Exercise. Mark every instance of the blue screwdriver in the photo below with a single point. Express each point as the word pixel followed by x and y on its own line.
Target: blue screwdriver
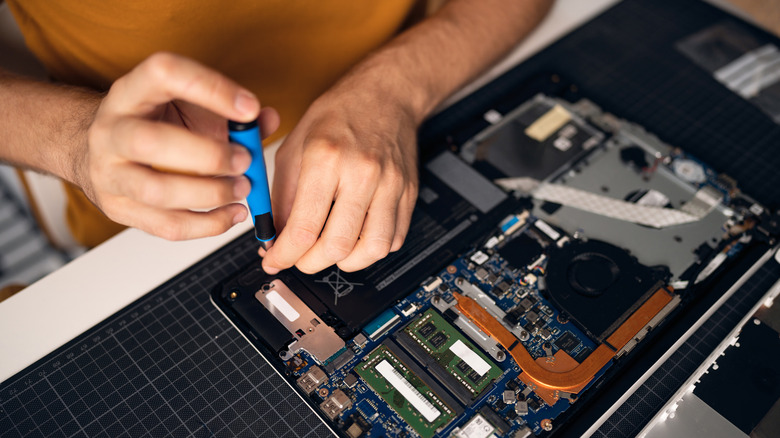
pixel 259 199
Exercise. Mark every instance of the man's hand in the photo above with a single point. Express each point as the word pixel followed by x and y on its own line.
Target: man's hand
pixel 158 148
pixel 345 180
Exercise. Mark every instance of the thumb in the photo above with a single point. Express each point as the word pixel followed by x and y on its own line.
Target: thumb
pixel 164 77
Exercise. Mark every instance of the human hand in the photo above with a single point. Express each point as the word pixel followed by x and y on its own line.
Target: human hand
pixel 158 147
pixel 345 181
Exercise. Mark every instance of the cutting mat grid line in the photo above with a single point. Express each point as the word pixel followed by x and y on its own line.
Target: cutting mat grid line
pixel 167 365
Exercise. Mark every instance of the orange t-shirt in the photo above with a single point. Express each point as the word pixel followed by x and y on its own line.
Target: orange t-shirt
pixel 286 51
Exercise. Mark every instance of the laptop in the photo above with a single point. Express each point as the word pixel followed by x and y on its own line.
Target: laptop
pixel 546 254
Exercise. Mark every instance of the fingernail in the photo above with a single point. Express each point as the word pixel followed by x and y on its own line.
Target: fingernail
pixel 241 159
pixel 270 270
pixel 246 103
pixel 240 217
pixel 241 187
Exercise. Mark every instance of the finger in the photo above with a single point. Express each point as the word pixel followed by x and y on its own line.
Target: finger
pixel 377 235
pixel 342 230
pixel 178 224
pixel 310 209
pixel 269 121
pixel 175 191
pixel 404 218
pixel 175 148
pixel 283 190
pixel 287 169
pixel 164 77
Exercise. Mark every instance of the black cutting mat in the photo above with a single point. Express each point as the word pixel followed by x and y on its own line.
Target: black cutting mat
pixel 177 368
pixel 168 365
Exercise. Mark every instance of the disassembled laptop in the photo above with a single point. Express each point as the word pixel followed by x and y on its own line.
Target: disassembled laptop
pixel 544 251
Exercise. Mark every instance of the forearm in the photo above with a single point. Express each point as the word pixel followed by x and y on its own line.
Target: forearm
pixel 44 126
pixel 430 61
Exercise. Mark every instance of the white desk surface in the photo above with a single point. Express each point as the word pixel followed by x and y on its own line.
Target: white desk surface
pixel 68 302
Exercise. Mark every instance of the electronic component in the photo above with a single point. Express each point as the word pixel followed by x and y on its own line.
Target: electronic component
pixel 409 309
pixel 453 351
pixel 426 330
pixel 360 340
pixel 438 339
pixel 357 426
pixel 337 403
pixel 350 380
pixel 492 242
pixel 508 396
pixel 432 284
pixel 472 331
pixel 598 285
pixel 521 407
pixel 310 334
pixel 512 318
pixel 545 228
pixel 436 370
pixel 567 342
pixel 502 288
pixel 339 361
pixel 404 392
pixel 312 379
pixel 367 408
pixel 521 251
pixel 354 431
pixel 513 223
pixel 495 419
pixel 382 324
pixel 479 257
pixel 477 427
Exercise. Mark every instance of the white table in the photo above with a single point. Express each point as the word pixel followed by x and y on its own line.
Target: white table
pixel 66 303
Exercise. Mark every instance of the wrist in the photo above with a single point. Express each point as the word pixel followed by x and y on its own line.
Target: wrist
pixel 47 129
pixel 382 79
pixel 74 165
